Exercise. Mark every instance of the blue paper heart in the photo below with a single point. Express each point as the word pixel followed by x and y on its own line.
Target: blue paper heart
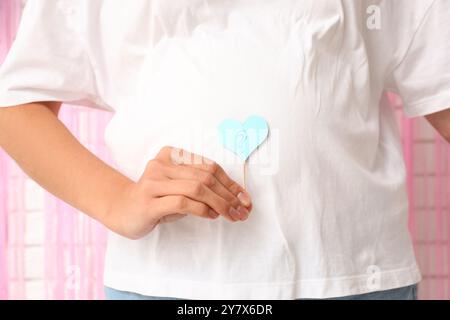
pixel 243 138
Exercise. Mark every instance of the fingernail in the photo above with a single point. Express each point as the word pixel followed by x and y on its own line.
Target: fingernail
pixel 243 213
pixel 213 214
pixel 244 198
pixel 234 214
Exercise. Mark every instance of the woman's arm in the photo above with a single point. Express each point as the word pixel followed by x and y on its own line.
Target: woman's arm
pixel 441 122
pixel 46 150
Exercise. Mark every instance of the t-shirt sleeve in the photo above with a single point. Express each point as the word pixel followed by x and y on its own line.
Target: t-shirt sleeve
pixel 423 76
pixel 48 60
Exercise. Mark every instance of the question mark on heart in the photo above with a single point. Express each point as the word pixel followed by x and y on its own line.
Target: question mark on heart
pixel 243 138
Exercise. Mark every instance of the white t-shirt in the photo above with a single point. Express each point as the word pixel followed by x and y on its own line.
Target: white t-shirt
pixel 328 186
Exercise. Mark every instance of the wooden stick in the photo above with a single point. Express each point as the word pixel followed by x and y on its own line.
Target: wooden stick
pixel 245 174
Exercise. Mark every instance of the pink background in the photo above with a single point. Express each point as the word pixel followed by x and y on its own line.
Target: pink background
pixel 49 250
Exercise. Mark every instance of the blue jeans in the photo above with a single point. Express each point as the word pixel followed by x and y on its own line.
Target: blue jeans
pixel 404 293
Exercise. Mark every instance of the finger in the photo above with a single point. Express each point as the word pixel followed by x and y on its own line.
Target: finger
pixel 201 193
pixel 216 170
pixel 170 205
pixel 182 157
pixel 173 155
pixel 209 180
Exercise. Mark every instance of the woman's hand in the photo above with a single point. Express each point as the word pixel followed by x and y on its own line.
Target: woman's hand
pixel 173 185
pixel 169 188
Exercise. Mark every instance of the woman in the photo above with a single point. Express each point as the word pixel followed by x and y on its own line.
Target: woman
pixel 324 208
